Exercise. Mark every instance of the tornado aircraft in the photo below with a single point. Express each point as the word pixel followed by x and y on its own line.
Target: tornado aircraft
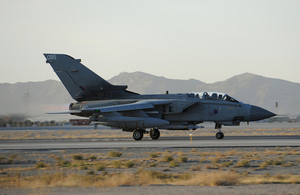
pixel 114 106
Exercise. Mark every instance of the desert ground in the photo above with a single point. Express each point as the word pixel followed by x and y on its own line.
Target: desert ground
pixel 217 170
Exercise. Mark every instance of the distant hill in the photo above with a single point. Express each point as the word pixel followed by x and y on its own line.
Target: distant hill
pixel 36 98
pixel 144 83
pixel 247 87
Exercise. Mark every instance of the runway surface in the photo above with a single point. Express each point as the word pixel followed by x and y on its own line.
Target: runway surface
pixel 164 142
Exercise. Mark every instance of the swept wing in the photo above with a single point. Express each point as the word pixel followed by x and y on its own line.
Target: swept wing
pixel 139 105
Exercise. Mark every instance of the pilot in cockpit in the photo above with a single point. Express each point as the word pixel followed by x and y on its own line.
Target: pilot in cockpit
pixel 205 95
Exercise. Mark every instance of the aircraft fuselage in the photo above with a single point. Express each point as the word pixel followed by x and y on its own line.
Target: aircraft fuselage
pixel 116 107
pixel 182 113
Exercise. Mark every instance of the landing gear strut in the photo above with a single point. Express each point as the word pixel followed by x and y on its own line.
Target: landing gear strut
pixel 220 134
pixel 154 134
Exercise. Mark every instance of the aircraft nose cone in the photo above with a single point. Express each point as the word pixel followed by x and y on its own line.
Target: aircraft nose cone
pixel 257 113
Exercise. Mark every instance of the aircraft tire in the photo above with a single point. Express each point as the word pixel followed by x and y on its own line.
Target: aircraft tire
pixel 138 134
pixel 219 135
pixel 154 134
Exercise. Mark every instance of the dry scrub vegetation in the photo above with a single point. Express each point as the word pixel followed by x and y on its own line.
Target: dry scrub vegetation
pixel 103 168
pixel 60 179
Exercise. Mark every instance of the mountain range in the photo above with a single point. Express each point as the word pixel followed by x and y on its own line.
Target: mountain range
pixel 36 98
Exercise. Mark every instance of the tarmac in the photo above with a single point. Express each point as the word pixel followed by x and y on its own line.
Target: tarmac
pixel 166 142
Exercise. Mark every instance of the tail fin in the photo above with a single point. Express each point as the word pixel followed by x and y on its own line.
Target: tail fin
pixel 82 83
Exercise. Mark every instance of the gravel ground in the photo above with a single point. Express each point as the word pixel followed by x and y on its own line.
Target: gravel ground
pixel 209 159
pixel 165 190
pixel 23 162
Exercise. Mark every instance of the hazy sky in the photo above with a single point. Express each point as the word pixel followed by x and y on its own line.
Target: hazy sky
pixel 205 40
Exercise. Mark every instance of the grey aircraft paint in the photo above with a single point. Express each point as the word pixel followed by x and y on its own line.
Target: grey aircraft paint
pixel 114 106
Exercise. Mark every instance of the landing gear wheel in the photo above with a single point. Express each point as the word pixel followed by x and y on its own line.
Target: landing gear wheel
pixel 95 126
pixel 219 135
pixel 138 134
pixel 154 134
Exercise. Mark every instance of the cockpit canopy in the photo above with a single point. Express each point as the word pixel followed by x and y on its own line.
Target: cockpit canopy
pixel 212 96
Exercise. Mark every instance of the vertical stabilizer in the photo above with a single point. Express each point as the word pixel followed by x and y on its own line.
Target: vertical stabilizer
pixel 82 83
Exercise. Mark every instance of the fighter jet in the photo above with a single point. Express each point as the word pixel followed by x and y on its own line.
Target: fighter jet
pixel 114 106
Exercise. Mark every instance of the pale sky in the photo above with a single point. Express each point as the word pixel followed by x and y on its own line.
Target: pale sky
pixel 205 40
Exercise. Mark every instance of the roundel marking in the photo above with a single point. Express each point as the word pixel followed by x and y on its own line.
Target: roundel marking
pixel 215 111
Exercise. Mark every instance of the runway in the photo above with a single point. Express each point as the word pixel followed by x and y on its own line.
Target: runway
pixel 164 142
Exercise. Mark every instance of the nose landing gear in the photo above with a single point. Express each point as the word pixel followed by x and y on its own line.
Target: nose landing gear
pixel 154 134
pixel 220 134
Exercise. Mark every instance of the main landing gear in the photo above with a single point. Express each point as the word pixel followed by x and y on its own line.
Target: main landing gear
pixel 138 134
pixel 154 134
pixel 220 134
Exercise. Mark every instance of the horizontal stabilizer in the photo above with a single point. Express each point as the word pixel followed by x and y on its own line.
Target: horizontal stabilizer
pixel 65 112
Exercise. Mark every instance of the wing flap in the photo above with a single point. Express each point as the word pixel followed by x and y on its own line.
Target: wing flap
pixel 140 105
